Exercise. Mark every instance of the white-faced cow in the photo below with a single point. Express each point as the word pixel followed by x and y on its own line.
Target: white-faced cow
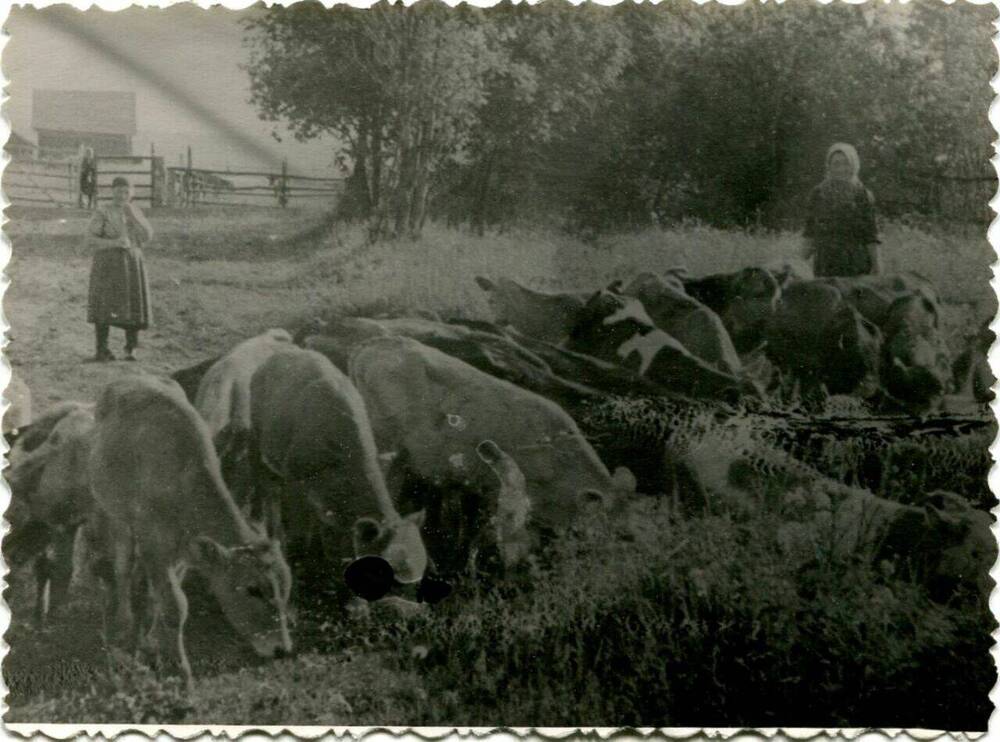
pixel 313 436
pixel 435 411
pixel 687 320
pixel 614 327
pixel 155 476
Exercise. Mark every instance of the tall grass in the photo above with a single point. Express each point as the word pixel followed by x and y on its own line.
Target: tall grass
pixel 436 272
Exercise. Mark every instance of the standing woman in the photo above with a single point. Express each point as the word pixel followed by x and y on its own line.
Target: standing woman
pixel 841 233
pixel 119 291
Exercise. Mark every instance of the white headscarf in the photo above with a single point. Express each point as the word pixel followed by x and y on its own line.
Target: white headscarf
pixel 851 154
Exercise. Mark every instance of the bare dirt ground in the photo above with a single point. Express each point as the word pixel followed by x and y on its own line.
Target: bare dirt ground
pixel 201 306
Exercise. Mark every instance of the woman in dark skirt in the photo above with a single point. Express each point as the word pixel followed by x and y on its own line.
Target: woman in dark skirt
pixel 119 291
pixel 841 233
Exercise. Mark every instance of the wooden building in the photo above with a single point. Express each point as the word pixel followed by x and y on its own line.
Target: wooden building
pixel 66 120
pixel 20 148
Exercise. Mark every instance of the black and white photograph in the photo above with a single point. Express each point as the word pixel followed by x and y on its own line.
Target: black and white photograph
pixel 526 366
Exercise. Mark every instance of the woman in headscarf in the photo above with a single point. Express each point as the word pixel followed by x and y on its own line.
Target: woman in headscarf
pixel 841 233
pixel 119 291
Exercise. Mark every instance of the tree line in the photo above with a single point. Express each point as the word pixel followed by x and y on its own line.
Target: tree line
pixel 618 117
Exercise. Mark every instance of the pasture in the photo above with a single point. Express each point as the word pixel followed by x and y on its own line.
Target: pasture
pixel 688 622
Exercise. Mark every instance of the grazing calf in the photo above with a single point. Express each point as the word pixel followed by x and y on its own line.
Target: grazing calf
pixel 436 411
pixel 744 300
pixel 822 341
pixel 223 396
pixel 190 378
pixel 155 475
pixel 313 435
pixel 51 498
pixel 916 369
pixel 548 317
pixel 944 541
pixel 223 399
pixel 614 327
pixel 686 319
pixel 872 296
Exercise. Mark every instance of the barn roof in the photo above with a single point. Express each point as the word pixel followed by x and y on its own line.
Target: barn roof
pixel 17 141
pixel 84 111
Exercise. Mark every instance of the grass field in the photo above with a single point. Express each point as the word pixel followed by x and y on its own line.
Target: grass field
pixel 687 623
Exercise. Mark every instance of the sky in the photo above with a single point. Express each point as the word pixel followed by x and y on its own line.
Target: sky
pixel 182 62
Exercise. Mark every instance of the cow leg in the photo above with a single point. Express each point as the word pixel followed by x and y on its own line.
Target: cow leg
pixel 60 569
pixel 175 577
pixel 43 584
pixel 118 614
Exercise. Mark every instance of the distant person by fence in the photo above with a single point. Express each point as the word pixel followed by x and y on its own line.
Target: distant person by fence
pixel 841 233
pixel 88 179
pixel 119 291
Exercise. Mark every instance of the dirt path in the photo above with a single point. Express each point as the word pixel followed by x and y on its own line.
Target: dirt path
pixel 200 308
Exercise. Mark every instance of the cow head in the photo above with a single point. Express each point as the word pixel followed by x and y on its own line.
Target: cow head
pixel 397 540
pixel 950 544
pixel 916 367
pixel 853 360
pixel 968 548
pixel 252 583
pixel 753 295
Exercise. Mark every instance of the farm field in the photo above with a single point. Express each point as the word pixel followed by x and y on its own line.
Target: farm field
pixel 695 621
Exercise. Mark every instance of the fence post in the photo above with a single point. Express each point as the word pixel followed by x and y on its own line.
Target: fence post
pixel 187 179
pixel 283 193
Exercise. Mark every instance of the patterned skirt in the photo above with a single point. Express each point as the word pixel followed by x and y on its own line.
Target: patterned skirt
pixel 119 290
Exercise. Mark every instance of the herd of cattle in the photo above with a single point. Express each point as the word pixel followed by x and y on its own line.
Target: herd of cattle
pixel 379 457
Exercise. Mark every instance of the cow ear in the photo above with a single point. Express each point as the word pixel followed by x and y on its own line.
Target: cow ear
pixel 417 518
pixel 210 552
pixel 489 452
pixel 944 518
pixel 485 284
pixel 366 530
pixel 624 481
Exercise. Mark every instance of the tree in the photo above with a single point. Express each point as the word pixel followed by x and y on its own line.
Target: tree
pixel 401 87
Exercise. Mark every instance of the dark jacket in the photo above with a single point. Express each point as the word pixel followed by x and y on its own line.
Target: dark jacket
pixel 843 231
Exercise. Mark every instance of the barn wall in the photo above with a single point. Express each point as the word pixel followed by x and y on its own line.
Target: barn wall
pixel 69 142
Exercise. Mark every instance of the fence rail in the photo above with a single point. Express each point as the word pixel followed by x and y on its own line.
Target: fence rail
pixel 57 182
pixel 190 186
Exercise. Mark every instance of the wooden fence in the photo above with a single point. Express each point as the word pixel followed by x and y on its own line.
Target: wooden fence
pixel 192 187
pixel 56 183
pixel 146 175
pixel 42 182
